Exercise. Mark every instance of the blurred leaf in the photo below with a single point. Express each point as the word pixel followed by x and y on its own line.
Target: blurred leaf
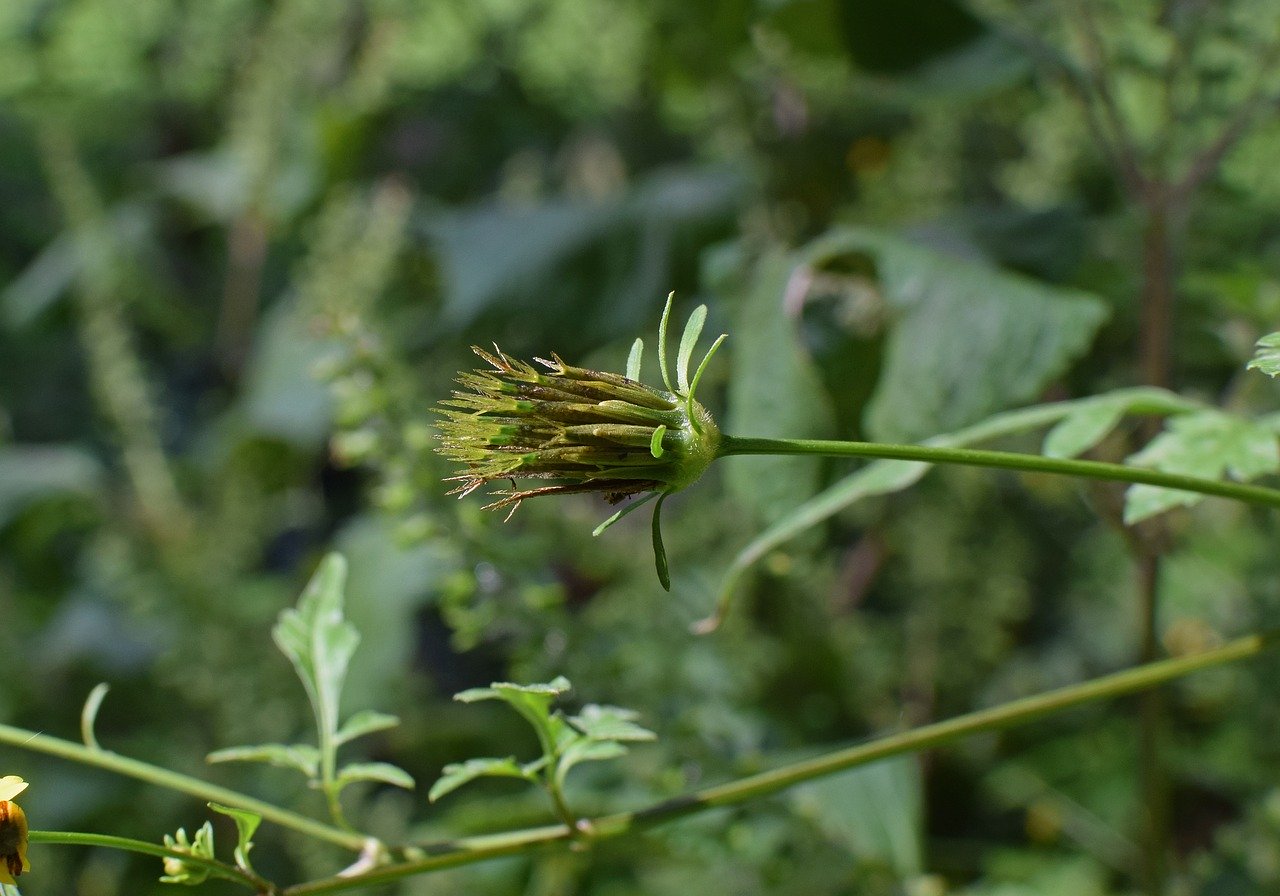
pixel 379 772
pixel 967 340
pixel 282 396
pixel 89 714
pixel 610 723
pixel 586 751
pixel 31 473
pixel 456 774
pixel 303 757
pixel 1093 418
pixel 1208 444
pixel 364 722
pixel 774 391
pixel 319 641
pixel 876 812
pixel 246 826
pixel 1267 358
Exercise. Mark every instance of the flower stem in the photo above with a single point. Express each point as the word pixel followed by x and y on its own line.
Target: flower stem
pixel 219 869
pixel 467 850
pixel 1008 460
pixel 161 777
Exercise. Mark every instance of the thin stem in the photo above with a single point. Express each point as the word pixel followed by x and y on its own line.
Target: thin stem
pixel 213 866
pixel 162 777
pixel 1008 460
pixel 467 850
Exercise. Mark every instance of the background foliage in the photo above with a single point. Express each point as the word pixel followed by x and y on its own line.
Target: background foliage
pixel 247 244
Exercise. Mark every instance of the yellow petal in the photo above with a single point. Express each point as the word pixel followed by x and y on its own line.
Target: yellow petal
pixel 11 786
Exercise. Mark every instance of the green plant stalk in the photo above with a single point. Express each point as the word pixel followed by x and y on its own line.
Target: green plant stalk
pixel 219 869
pixel 1006 460
pixel 161 777
pixel 465 851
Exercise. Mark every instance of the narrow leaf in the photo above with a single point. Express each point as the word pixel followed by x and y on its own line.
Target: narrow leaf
pixel 364 722
pixel 659 550
pixel 688 340
pixel 303 757
pixel 634 359
pixel 456 774
pixel 655 441
pixel 662 342
pixel 639 502
pixel 380 772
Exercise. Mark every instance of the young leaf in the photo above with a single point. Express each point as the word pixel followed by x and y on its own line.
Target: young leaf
pixel 1267 358
pixel 380 772
pixel 1083 428
pixel 364 722
pixel 610 723
pixel 246 825
pixel 586 751
pixel 319 641
pixel 634 359
pixel 303 757
pixel 1206 443
pixel 456 774
pixel 688 340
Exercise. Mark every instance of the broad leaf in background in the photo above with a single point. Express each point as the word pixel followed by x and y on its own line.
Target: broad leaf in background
pixel 965 340
pixel 887 476
pixel 1092 419
pixel 1267 358
pixel 876 812
pixel 774 392
pixel 30 473
pixel 1208 444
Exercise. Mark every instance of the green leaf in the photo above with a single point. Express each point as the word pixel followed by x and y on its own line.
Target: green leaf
pixel 364 722
pixel 503 690
pixel 659 549
pixel 456 774
pixel 688 341
pixel 31 473
pixel 875 812
pixel 303 757
pixel 774 391
pixel 246 825
pixel 610 723
pixel 967 339
pixel 586 751
pixel 1091 419
pixel 634 359
pixel 1209 444
pixel 1267 358
pixel 319 641
pixel 380 772
pixel 887 476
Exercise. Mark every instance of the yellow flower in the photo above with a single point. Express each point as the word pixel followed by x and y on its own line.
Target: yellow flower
pixel 13 830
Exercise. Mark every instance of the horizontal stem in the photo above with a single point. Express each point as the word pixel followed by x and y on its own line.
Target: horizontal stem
pixel 467 850
pixel 213 866
pixel 162 777
pixel 1007 460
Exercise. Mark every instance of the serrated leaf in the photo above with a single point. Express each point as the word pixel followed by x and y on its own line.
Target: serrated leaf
pixel 1208 444
pixel 246 826
pixel 1267 357
pixel 380 772
pixel 587 751
pixel 456 774
pixel 303 757
pixel 364 722
pixel 503 690
pixel 1091 419
pixel 319 641
pixel 610 723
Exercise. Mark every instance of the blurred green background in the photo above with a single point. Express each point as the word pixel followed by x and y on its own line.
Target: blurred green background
pixel 245 245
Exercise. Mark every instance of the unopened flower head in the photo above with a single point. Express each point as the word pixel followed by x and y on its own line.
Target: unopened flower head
pixel 572 430
pixel 13 830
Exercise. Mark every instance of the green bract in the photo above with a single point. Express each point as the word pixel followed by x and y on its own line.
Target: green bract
pixel 581 430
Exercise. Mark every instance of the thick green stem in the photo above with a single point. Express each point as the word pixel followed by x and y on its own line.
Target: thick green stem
pixel 467 850
pixel 1007 460
pixel 161 777
pixel 213 866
